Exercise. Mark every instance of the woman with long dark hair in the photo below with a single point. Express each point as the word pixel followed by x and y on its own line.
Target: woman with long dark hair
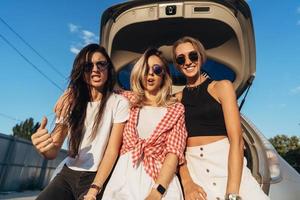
pixel 94 126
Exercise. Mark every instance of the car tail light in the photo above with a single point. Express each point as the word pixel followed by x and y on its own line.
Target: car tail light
pixel 274 165
pixel 272 156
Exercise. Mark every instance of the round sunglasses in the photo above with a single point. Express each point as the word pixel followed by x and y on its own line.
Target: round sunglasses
pixel 193 56
pixel 101 66
pixel 157 69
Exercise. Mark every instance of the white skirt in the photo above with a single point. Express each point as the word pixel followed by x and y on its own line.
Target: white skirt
pixel 133 183
pixel 208 166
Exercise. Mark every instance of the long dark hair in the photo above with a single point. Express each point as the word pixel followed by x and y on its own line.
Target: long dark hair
pixel 80 95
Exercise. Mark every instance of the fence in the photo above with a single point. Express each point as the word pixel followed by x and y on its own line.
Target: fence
pixel 21 167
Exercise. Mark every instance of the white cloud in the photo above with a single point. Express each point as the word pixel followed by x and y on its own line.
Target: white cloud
pixel 88 34
pixel 74 50
pixel 88 37
pixel 84 37
pixel 73 28
pixel 298 10
pixel 295 90
pixel 298 22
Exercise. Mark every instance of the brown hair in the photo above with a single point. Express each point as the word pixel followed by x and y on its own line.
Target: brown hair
pixel 80 95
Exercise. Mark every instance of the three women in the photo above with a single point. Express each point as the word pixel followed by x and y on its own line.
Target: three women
pixel 215 167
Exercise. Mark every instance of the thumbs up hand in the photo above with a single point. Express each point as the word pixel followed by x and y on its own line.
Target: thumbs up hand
pixel 41 139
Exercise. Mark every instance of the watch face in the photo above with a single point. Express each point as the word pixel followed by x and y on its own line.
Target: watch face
pixel 231 197
pixel 234 197
pixel 161 189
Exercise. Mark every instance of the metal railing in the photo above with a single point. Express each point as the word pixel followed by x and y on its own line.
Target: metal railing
pixel 22 167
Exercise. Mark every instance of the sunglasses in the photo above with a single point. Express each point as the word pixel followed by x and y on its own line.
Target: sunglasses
pixel 101 66
pixel 193 56
pixel 157 70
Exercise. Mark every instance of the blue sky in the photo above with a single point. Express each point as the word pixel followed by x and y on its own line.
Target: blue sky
pixel 57 29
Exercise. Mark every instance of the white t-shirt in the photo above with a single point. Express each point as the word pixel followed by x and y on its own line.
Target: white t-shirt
pixel 149 117
pixel 90 153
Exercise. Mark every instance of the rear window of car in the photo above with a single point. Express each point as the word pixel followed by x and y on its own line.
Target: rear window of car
pixel 215 70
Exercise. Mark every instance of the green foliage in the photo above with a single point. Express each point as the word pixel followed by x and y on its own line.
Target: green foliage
pixel 25 129
pixel 288 148
pixel 293 158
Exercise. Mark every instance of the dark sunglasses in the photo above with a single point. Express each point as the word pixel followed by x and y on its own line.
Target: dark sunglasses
pixel 157 70
pixel 193 56
pixel 101 66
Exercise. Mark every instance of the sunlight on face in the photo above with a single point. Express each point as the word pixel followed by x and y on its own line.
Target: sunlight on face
pixel 97 78
pixel 152 81
pixel 189 68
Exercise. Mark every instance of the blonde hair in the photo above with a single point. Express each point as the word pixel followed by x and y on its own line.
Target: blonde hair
pixel 196 44
pixel 164 96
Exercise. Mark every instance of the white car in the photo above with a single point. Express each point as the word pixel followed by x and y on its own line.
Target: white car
pixel 226 30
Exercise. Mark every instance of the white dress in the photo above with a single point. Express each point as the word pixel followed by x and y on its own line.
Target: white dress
pixel 133 183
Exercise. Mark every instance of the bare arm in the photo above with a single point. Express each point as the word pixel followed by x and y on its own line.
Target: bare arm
pixel 46 144
pixel 175 147
pixel 165 176
pixel 63 104
pixel 109 158
pixel 227 97
pixel 190 189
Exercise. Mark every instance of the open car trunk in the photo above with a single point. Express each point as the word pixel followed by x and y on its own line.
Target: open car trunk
pixel 224 27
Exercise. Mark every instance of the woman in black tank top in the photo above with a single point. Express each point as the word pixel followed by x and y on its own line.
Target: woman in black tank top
pixel 215 167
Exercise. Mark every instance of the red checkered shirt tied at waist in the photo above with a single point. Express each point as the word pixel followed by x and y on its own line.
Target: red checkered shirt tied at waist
pixel 169 136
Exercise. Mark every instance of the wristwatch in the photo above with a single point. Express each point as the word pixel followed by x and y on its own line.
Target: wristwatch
pixel 232 196
pixel 161 189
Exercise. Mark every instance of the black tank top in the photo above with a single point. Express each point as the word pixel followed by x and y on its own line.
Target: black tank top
pixel 203 114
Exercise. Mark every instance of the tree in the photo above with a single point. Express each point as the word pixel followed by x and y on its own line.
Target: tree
pixel 25 129
pixel 284 144
pixel 293 158
pixel 288 148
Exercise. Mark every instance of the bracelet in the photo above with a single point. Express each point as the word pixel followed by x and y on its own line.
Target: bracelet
pixel 97 187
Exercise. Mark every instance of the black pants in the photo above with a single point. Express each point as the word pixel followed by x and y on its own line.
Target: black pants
pixel 68 185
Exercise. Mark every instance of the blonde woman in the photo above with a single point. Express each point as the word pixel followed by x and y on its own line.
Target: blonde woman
pixel 216 167
pixel 153 139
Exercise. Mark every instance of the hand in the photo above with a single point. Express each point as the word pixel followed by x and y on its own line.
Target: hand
pixel 63 104
pixel 41 139
pixel 154 195
pixel 89 195
pixel 118 90
pixel 192 191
